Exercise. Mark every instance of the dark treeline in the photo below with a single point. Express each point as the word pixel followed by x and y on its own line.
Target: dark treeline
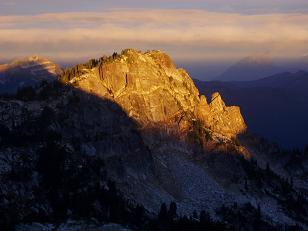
pixel 288 159
pixel 79 69
pixel 265 146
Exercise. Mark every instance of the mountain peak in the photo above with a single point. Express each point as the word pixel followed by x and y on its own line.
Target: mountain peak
pixel 250 68
pixel 262 58
pixel 26 71
pixel 29 59
pixel 157 56
pixel 149 87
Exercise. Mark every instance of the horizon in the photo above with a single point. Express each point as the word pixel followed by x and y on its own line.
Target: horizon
pixel 197 69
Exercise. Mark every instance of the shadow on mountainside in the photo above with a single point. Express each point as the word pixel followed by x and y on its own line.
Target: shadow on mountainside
pixel 73 117
pixel 59 147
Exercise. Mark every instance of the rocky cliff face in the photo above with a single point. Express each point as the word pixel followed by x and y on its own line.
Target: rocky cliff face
pixel 153 91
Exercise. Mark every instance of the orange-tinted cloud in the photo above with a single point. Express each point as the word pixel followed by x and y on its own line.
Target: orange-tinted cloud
pixel 186 34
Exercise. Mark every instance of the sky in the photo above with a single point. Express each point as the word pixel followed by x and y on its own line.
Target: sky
pixel 208 33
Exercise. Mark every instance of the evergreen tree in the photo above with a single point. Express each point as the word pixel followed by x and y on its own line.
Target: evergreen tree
pixel 306 150
pixel 162 215
pixel 195 215
pixel 258 219
pixel 172 211
pixel 26 93
pixel 114 55
pixel 138 216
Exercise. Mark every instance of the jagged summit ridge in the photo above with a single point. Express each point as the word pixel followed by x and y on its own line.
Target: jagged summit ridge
pixel 149 87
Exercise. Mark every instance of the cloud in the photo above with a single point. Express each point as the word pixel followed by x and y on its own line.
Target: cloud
pixel 185 34
pixel 242 6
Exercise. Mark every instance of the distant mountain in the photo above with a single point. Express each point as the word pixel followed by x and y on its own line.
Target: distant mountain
pixel 300 63
pixel 250 68
pixel 275 107
pixel 25 72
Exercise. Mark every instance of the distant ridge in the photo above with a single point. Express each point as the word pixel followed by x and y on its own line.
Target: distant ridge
pixel 250 68
pixel 26 71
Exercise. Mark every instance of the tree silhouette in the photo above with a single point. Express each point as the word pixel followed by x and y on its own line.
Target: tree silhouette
pixel 172 211
pixel 162 215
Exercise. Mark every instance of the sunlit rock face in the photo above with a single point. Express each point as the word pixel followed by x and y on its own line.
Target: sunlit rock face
pixel 151 90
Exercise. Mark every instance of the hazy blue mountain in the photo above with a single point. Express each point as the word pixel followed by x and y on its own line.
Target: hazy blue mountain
pixel 250 68
pixel 300 63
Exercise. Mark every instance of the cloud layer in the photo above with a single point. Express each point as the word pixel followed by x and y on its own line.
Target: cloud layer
pixel 239 6
pixel 185 34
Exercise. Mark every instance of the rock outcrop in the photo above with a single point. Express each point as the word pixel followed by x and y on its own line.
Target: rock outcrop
pixel 151 90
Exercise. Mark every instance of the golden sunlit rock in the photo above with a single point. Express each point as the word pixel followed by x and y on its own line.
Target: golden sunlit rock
pixel 153 91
